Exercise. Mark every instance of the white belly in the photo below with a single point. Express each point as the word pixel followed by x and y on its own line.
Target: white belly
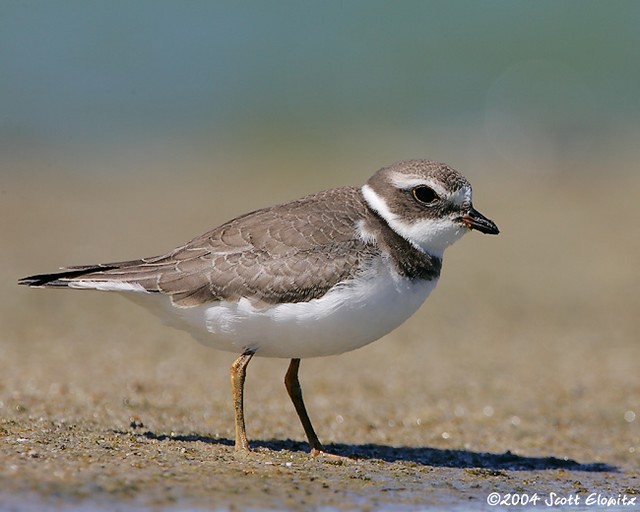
pixel 344 319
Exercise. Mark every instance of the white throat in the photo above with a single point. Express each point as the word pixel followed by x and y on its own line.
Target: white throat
pixel 428 235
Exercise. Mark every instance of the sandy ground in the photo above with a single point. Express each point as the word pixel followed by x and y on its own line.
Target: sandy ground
pixel 519 375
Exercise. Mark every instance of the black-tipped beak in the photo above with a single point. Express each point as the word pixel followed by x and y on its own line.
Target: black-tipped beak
pixel 473 219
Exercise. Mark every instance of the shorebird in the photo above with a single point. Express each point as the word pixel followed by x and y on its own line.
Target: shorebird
pixel 317 276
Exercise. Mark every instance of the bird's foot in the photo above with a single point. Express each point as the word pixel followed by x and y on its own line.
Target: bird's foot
pixel 329 457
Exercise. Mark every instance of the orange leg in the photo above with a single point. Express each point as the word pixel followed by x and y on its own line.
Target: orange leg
pixel 238 374
pixel 295 392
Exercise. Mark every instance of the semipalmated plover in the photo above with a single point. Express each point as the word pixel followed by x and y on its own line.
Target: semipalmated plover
pixel 318 276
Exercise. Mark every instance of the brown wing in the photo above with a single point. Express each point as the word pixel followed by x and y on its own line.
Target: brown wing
pixel 272 255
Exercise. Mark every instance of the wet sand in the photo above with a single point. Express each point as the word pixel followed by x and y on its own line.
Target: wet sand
pixel 519 375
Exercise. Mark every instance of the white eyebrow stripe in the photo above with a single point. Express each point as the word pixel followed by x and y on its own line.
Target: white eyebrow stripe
pixel 404 182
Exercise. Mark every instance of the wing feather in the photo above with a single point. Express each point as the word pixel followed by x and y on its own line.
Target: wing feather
pixel 272 255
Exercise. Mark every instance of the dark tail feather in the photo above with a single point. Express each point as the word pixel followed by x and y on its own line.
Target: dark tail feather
pixel 60 279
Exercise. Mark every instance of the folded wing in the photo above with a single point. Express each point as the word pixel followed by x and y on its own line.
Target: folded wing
pixel 288 253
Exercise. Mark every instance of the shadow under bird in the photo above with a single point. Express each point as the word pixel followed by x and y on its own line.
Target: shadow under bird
pixel 318 276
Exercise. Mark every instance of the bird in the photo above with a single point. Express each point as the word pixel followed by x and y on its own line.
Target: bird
pixel 317 276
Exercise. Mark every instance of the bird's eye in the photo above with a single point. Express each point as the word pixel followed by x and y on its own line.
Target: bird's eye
pixel 425 195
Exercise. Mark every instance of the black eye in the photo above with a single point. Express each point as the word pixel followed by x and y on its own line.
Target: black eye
pixel 425 195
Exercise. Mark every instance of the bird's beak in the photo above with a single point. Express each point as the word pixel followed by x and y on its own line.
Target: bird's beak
pixel 473 219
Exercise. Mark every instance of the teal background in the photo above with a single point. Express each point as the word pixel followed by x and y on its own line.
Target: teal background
pixel 541 86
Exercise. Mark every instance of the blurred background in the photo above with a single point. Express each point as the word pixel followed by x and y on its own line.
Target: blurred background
pixel 127 128
pixel 541 87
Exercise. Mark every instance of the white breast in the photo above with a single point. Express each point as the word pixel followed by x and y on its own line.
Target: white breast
pixel 348 317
